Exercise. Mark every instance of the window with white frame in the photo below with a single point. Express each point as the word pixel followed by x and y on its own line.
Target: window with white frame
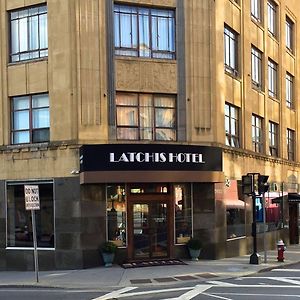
pixel 256 12
pixel 146 117
pixel 273 139
pixel 257 134
pixel 144 32
pixel 272 78
pixel 272 12
pixel 256 68
pixel 289 87
pixel 30 119
pixel 232 125
pixel 231 51
pixel 290 136
pixel 289 33
pixel 28 33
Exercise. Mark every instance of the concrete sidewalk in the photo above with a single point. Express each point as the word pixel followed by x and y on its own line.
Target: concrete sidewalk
pixel 116 276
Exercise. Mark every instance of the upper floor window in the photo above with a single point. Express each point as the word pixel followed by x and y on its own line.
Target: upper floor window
pixel 232 125
pixel 146 117
pixel 272 78
pixel 28 33
pixel 290 135
pixel 231 50
pixel 257 134
pixel 144 32
pixel 30 119
pixel 272 7
pixel 289 33
pixel 273 139
pixel 256 67
pixel 256 10
pixel 289 87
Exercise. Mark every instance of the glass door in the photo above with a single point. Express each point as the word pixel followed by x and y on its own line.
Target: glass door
pixel 150 230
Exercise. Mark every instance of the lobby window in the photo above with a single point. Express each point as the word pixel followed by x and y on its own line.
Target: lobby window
pixel 116 214
pixel 230 51
pixel 146 117
pixel 19 227
pixel 273 139
pixel 289 87
pixel 290 136
pixel 257 134
pixel 232 125
pixel 272 23
pixel 272 78
pixel 28 33
pixel 256 12
pixel 256 68
pixel 144 32
pixel 289 34
pixel 183 213
pixel 30 120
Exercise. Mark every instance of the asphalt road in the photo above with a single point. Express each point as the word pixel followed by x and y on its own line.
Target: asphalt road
pixel 281 283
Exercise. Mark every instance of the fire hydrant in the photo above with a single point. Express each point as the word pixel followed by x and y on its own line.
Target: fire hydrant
pixel 280 249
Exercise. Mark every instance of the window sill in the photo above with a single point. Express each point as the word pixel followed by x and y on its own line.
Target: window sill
pixel 257 22
pixel 234 75
pixel 27 61
pixel 290 52
pixel 146 59
pixel 273 37
pixel 258 88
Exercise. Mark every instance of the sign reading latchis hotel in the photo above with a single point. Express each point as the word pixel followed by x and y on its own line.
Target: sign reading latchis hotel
pixel 118 157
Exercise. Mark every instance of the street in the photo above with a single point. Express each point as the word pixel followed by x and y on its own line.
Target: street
pixel 283 282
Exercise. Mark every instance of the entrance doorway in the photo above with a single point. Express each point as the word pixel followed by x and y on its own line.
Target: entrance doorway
pixel 294 223
pixel 149 224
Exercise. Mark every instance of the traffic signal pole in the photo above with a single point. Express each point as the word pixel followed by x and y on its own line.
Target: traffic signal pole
pixel 254 257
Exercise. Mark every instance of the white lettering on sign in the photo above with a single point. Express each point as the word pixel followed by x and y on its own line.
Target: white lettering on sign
pixel 32 197
pixel 157 157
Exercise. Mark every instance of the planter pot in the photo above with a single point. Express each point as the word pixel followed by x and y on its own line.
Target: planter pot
pixel 194 254
pixel 108 259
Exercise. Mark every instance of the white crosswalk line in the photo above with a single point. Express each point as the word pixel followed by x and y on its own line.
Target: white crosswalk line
pixel 115 293
pixel 221 283
pixel 283 279
pixel 198 289
pixel 285 270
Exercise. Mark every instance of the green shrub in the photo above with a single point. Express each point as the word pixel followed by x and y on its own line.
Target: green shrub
pixel 109 247
pixel 194 244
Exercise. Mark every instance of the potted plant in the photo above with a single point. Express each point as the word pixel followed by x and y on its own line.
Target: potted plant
pixel 194 245
pixel 108 251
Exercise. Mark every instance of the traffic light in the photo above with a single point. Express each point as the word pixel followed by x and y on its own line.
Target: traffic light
pixel 262 183
pixel 247 184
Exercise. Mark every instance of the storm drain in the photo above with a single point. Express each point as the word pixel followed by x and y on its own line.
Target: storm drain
pixel 186 277
pixel 140 281
pixel 165 279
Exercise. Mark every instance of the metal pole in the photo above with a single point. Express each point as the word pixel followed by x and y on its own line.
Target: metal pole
pixel 254 258
pixel 35 253
pixel 264 221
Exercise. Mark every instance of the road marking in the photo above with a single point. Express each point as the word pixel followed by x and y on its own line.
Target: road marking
pixel 255 295
pixel 285 270
pixel 286 280
pixel 214 282
pixel 198 289
pixel 115 293
pixel 215 296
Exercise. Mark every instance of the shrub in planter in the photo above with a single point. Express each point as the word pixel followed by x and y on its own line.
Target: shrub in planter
pixel 194 246
pixel 108 251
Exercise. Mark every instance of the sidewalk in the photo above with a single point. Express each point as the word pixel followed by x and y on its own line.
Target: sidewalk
pixel 116 276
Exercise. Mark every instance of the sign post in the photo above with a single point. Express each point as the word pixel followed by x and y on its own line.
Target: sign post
pixel 32 202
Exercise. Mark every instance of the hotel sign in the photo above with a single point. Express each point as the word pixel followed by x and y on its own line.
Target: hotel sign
pixel 125 157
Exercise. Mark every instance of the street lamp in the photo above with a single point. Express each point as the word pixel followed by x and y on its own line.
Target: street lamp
pixel 248 188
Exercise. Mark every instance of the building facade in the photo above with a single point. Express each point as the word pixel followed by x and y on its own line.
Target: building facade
pixel 137 120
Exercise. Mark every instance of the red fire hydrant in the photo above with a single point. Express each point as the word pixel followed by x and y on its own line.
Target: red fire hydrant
pixel 280 249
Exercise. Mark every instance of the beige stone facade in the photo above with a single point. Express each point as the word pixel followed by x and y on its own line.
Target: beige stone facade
pixel 82 74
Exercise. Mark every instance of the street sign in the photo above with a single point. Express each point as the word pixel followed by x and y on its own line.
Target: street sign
pixel 32 198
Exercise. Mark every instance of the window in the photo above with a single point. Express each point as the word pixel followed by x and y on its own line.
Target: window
pixel 28 33
pixel 256 10
pixel 272 77
pixel 232 125
pixel 289 33
pixel 289 87
pixel 116 214
pixel 272 18
pixel 290 136
pixel 146 117
pixel 183 213
pixel 257 134
pixel 30 119
pixel 231 51
pixel 144 32
pixel 256 68
pixel 273 139
pixel 19 228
